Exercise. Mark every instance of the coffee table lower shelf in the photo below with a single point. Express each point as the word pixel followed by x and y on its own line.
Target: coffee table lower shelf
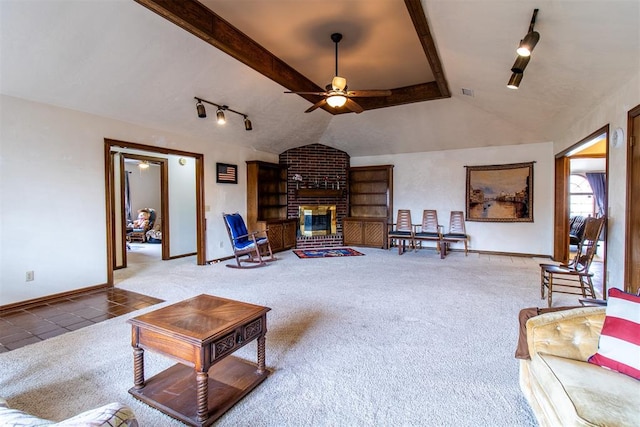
pixel 173 391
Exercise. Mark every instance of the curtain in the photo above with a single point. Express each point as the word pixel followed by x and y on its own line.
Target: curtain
pixel 127 198
pixel 599 187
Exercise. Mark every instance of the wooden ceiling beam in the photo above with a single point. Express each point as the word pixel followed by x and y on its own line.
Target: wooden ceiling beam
pixel 208 26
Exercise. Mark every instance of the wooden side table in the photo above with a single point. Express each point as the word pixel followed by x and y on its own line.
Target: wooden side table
pixel 201 333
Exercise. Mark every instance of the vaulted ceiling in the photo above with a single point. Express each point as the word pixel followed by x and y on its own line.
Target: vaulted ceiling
pixel 119 59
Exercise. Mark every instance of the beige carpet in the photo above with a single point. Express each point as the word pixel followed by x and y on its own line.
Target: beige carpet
pixel 379 339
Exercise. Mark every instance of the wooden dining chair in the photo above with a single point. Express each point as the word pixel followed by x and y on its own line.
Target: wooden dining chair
pixel 429 230
pixel 401 231
pixel 574 278
pixel 457 233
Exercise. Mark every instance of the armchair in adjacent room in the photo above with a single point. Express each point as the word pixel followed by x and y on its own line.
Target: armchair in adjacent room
pixel 137 230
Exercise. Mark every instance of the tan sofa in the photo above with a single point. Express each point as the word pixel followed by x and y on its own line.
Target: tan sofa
pixel 562 388
pixel 111 415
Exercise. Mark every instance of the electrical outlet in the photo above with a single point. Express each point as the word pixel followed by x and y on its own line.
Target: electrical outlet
pixel 30 276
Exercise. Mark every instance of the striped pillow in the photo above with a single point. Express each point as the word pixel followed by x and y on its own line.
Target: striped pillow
pixel 619 345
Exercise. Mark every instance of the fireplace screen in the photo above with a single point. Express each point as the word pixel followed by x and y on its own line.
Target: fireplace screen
pixel 317 220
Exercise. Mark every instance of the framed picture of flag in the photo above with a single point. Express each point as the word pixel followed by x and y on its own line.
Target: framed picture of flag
pixel 226 174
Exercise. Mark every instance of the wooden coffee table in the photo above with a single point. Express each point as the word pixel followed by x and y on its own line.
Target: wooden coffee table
pixel 201 333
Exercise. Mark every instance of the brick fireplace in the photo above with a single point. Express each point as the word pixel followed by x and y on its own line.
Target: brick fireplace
pixel 316 176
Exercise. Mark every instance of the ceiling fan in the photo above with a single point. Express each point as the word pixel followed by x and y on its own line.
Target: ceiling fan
pixel 336 94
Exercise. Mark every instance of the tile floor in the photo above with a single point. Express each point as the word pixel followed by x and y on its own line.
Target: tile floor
pixel 39 322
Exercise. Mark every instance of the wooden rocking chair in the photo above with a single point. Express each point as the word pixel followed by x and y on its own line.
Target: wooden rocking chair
pixel 574 278
pixel 247 244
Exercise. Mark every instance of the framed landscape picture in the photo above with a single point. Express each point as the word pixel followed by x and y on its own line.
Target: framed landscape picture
pixel 500 193
pixel 226 173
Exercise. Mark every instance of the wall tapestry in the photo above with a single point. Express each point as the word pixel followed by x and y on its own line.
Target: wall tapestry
pixel 500 193
pixel 226 174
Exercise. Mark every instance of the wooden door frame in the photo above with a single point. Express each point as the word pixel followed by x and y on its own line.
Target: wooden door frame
pixel 631 210
pixel 110 202
pixel 561 210
pixel 164 201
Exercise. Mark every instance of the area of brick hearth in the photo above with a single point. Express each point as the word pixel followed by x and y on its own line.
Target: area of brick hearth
pixel 320 167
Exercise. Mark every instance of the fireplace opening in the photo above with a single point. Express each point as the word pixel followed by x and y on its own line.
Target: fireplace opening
pixel 317 220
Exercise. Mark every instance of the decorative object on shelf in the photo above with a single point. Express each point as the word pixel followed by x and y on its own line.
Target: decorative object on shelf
pixel 338 182
pixel 226 173
pixel 221 119
pixel 298 179
pixel 500 193
pixel 524 54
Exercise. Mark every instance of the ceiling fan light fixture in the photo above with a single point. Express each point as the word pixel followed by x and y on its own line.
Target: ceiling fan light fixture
pixel 220 117
pixel 336 101
pixel 339 83
pixel 202 113
pixel 514 81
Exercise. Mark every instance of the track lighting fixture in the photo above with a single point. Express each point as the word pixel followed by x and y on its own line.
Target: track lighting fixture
pixel 514 81
pixel 520 64
pixel 220 117
pixel 531 39
pixel 202 113
pixel 524 53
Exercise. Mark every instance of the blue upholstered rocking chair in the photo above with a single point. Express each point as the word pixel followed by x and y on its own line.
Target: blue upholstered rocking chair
pixel 246 244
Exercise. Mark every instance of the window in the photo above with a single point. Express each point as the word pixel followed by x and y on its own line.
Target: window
pixel 581 200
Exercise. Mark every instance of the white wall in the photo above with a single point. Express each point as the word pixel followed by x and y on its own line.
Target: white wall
pixel 144 188
pixel 437 180
pixel 182 206
pixel 52 201
pixel 612 110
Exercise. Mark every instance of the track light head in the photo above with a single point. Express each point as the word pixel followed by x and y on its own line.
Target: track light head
pixel 514 81
pixel 520 64
pixel 528 43
pixel 247 123
pixel 220 117
pixel 202 113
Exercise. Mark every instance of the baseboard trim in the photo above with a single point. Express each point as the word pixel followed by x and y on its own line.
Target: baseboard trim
pixel 23 305
pixel 518 254
pixel 217 260
pixel 182 256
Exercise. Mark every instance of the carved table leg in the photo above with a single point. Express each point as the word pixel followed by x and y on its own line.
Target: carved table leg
pixel 202 382
pixel 261 354
pixel 138 367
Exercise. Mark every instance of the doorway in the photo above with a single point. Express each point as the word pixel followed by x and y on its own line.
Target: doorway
pixel 144 187
pixel 632 226
pixel 180 244
pixel 581 177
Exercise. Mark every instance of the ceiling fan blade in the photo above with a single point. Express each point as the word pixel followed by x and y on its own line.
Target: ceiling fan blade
pixel 367 93
pixel 318 104
pixel 308 93
pixel 353 106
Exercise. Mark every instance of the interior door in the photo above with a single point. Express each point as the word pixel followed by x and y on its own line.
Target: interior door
pixel 632 266
pixel 561 211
